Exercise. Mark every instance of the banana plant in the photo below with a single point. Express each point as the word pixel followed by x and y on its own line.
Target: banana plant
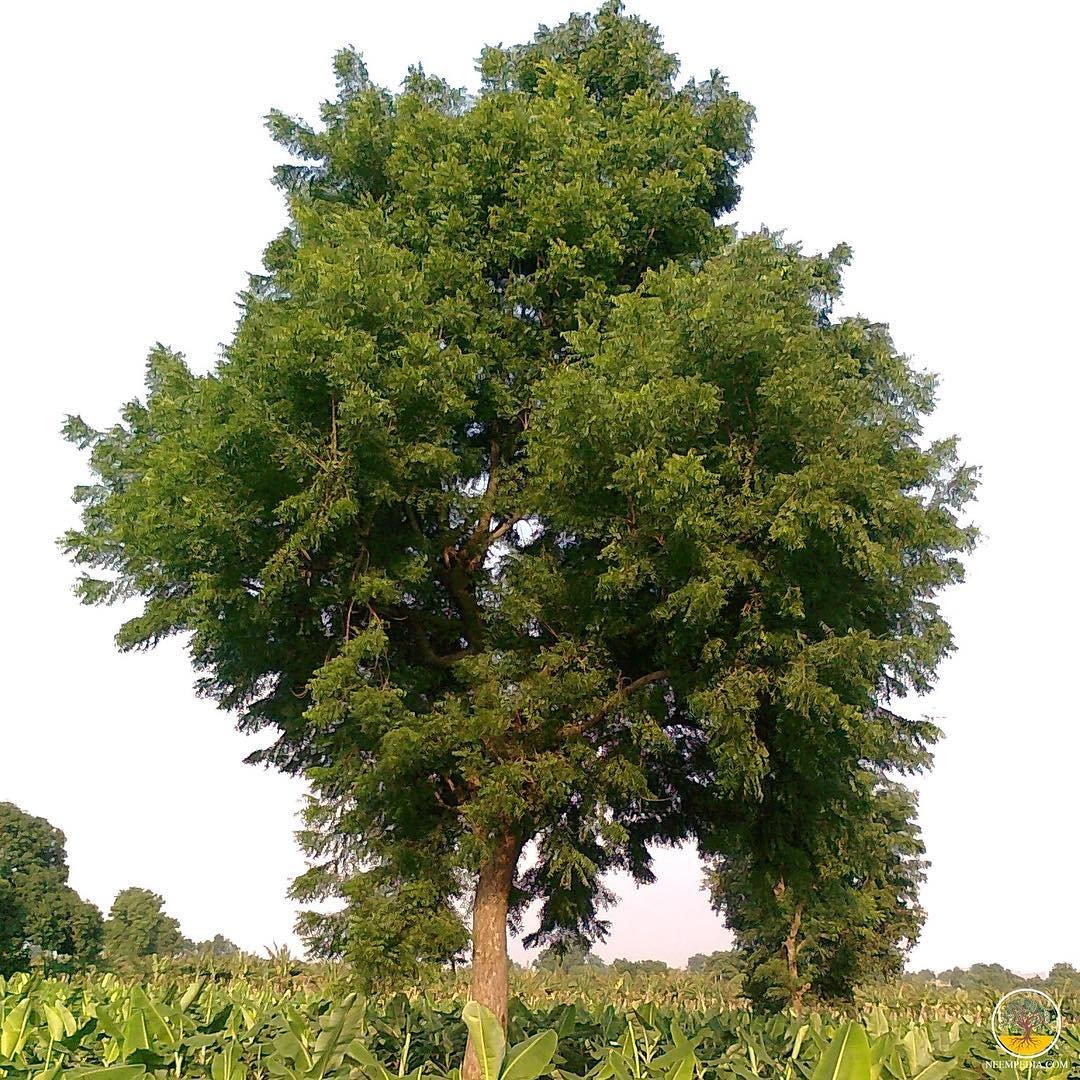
pixel 14 1030
pixel 526 1060
pixel 847 1057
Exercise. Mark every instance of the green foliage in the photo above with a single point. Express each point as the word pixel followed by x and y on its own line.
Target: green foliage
pixel 137 928
pixel 530 504
pixel 1063 979
pixel 839 910
pixel 531 1057
pixel 525 1061
pixel 487 1038
pixel 567 958
pixel 982 977
pixel 643 967
pixel 217 946
pixel 848 1056
pixel 723 964
pixel 332 514
pixel 317 1028
pixel 43 921
pixel 406 928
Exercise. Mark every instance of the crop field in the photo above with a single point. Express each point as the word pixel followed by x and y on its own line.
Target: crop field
pixel 311 1024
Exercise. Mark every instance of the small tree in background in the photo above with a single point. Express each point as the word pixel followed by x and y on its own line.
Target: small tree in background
pixel 42 919
pixel 1063 979
pixel 993 977
pixel 567 958
pixel 723 964
pixel 218 946
pixel 137 927
pixel 639 967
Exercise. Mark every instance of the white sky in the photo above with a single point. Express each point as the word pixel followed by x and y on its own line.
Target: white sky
pixel 939 139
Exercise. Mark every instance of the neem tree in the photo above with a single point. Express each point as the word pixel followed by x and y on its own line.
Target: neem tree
pixel 528 504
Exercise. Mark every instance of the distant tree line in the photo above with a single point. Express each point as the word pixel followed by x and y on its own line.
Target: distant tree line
pixel 737 965
pixel 733 965
pixel 577 957
pixel 44 923
pixel 1062 977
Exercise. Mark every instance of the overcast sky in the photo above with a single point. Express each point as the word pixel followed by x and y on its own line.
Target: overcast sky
pixel 938 139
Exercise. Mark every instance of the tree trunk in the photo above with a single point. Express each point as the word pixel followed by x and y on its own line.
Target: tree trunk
pixel 490 980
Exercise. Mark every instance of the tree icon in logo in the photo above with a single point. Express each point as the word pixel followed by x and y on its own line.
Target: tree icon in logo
pixel 1026 1023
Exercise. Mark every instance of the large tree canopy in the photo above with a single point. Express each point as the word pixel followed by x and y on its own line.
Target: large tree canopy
pixel 528 504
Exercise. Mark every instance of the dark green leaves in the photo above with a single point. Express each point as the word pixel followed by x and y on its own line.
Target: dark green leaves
pixel 528 501
pixel 43 921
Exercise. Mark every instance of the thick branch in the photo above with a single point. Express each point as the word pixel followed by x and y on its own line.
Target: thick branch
pixel 458 584
pixel 503 529
pixel 615 700
pixel 423 643
pixel 483 536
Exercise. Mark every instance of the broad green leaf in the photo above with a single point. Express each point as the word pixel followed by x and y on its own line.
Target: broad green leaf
pixel 13 1030
pixel 916 1049
pixel 71 1025
pixel 156 1024
pixel 486 1036
pixel 227 1064
pixel 55 1021
pixel 191 993
pixel 528 1059
pixel 136 1036
pixel 880 1049
pixel 618 1066
pixel 339 1029
pixel 847 1057
pixel 684 1070
pixel 292 1050
pixel 107 1023
pixel 877 1023
pixel 800 1035
pixel 360 1054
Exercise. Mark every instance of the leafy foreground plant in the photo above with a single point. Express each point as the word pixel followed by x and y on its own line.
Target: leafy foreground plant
pixel 249 1028
pixel 525 1061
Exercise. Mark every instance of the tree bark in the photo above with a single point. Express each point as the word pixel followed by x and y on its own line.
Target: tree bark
pixel 490 981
